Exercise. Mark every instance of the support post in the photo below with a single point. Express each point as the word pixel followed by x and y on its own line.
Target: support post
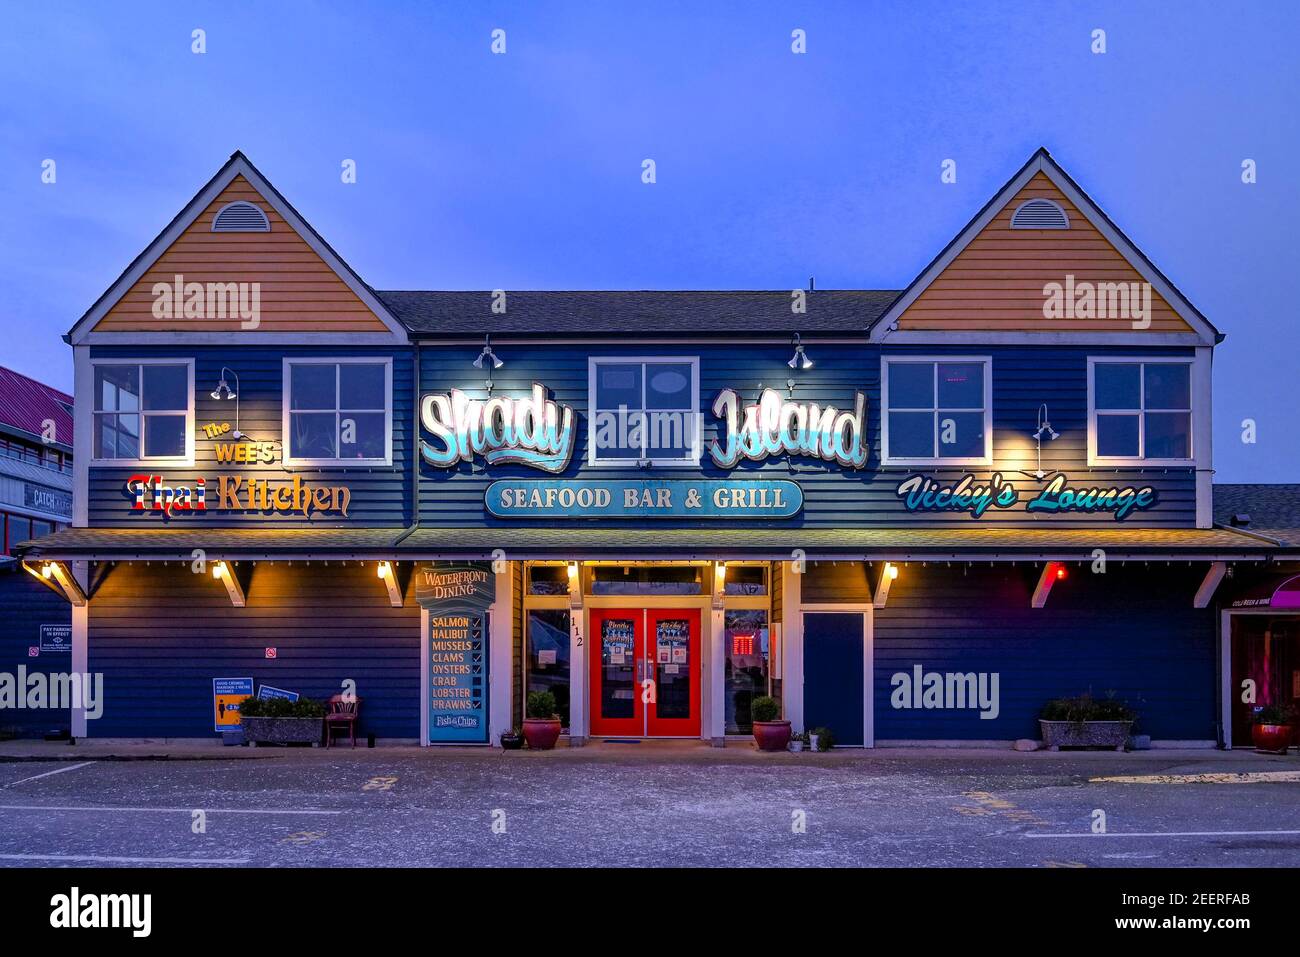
pixel 1052 572
pixel 888 572
pixel 1213 575
pixel 578 721
pixel 389 578
pixel 226 575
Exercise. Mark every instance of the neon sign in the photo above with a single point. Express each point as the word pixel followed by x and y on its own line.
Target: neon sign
pixel 921 493
pixel 777 426
pixel 536 431
pixel 236 494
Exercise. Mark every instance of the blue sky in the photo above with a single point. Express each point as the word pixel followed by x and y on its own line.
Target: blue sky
pixel 523 170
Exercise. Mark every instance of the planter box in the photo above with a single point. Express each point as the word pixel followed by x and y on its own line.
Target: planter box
pixel 281 730
pixel 1085 734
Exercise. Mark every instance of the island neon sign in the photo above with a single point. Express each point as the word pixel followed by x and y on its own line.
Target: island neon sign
pixel 777 426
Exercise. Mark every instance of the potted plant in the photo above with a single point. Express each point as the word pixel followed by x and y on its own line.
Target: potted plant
pixel 281 721
pixel 513 739
pixel 770 732
pixel 821 739
pixel 542 724
pixel 1273 729
pixel 797 741
pixel 1086 722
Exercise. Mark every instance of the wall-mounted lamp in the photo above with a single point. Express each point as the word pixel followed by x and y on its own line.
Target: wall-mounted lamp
pixel 800 358
pixel 218 570
pixel 489 360
pixel 47 570
pixel 385 569
pixel 1052 435
pixel 223 391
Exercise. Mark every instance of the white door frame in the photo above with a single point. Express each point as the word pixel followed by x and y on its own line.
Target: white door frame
pixel 1226 689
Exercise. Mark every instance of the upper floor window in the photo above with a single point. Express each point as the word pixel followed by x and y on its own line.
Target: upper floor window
pixel 937 411
pixel 1139 411
pixel 144 411
pixel 338 412
pixel 643 410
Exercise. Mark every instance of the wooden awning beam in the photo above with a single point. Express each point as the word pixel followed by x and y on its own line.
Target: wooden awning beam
pixel 58 573
pixel 1209 584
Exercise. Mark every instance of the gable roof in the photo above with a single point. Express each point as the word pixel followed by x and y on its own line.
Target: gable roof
pixel 238 165
pixel 1274 509
pixel 1042 162
pixel 25 406
pixel 639 312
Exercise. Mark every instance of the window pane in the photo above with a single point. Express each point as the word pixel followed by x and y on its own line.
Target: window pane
pixel 961 385
pixel 911 385
pixel 668 386
pixel 548 580
pixel 1117 435
pixel 1168 386
pixel 362 386
pixel 618 385
pixel 20 530
pixel 670 435
pixel 361 435
pixel 747 666
pixel 746 580
pixel 313 435
pixel 911 434
pixel 1168 435
pixel 167 388
pixel 117 388
pixel 961 435
pixel 164 435
pixel 313 386
pixel 548 656
pixel 1117 385
pixel 117 436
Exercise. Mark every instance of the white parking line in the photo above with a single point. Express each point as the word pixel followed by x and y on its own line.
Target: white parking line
pixel 1166 834
pixel 37 777
pixel 124 860
pixel 168 810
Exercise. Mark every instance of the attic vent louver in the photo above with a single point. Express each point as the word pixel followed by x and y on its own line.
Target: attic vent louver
pixel 240 217
pixel 1039 214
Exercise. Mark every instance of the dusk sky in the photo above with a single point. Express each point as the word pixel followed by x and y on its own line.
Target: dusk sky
pixel 523 170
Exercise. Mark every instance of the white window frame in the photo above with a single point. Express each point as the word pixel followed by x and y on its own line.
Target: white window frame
pixel 691 461
pixel 939 460
pixel 1099 460
pixel 286 410
pixel 186 460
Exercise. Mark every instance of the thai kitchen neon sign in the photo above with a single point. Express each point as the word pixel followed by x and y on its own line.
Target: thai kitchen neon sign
pixel 921 493
pixel 535 431
pixel 777 426
pixel 236 494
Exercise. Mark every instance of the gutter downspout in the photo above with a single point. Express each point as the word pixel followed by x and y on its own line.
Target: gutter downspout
pixel 415 447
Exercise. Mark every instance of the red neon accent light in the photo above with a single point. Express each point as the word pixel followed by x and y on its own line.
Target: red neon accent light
pixel 1060 572
pixel 742 644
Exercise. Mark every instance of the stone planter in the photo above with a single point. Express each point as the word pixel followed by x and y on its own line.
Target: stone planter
pixel 281 730
pixel 1084 734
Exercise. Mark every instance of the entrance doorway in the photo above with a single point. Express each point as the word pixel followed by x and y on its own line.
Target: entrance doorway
pixel 1265 652
pixel 645 673
pixel 833 682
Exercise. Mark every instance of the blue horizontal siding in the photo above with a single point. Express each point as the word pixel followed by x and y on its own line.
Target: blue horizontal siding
pixel 25 605
pixel 1132 631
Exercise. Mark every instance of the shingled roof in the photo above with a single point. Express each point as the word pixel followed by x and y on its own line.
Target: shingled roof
pixel 643 312
pixel 1273 509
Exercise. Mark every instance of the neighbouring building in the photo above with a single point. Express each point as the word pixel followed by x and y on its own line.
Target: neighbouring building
pixel 912 516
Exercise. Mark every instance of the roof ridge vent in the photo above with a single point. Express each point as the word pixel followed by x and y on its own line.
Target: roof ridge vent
pixel 1039 213
pixel 240 217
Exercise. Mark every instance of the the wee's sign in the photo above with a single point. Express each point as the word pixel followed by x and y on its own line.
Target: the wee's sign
pixel 644 498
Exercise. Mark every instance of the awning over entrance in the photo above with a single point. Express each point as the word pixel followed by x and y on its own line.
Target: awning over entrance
pixel 1281 591
pixel 580 541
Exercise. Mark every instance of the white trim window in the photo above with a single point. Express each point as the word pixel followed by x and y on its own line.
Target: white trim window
pixel 143 412
pixel 1140 411
pixel 937 410
pixel 643 411
pixel 338 411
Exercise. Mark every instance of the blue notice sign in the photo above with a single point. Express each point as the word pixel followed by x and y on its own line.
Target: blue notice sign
pixel 56 638
pixel 266 691
pixel 644 498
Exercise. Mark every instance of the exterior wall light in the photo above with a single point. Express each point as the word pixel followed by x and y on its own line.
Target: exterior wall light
pixel 218 569
pixel 800 358
pixel 47 570
pixel 223 391
pixel 1043 426
pixel 891 570
pixel 487 356
pixel 385 569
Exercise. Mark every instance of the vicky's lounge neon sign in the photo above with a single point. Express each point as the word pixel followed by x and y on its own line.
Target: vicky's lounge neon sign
pixel 534 431
pixel 921 493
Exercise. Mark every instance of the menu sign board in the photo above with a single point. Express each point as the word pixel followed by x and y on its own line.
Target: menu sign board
pixel 457 598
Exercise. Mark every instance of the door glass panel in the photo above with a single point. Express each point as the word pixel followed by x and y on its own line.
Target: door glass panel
pixel 672 651
pixel 618 667
pixel 548 656
pixel 747 657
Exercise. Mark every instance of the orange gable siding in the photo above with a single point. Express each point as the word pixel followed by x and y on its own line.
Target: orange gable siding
pixel 299 292
pixel 996 283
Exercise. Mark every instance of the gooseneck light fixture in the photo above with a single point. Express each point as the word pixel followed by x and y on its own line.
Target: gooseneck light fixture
pixel 800 358
pixel 223 391
pixel 1044 426
pixel 489 360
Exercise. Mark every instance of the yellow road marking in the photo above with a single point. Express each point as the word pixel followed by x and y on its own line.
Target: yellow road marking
pixel 1220 777
pixel 380 784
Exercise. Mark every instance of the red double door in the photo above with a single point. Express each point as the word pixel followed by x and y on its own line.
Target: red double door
pixel 645 672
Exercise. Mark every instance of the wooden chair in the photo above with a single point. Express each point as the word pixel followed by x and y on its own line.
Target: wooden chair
pixel 342 711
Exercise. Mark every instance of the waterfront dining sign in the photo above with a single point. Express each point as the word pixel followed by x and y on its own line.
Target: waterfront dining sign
pixel 457 598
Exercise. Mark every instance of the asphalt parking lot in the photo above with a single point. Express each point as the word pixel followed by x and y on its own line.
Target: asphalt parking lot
pixel 651 805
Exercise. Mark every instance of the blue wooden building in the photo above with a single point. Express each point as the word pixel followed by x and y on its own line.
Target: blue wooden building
pixel 911 515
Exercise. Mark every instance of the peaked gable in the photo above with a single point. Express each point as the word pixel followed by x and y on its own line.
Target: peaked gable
pixel 996 279
pixel 194 280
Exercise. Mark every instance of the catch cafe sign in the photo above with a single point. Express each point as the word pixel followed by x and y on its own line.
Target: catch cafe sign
pixel 152 493
pixel 537 431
